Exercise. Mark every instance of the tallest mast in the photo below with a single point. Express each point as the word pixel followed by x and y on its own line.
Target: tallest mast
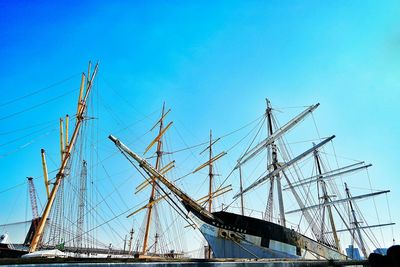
pixel 275 166
pixel 82 105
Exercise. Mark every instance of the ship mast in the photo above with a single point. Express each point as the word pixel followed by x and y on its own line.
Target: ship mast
pixel 275 166
pixel 211 176
pixel 210 188
pixel 241 190
pixel 326 200
pixel 45 173
pixel 356 222
pixel 153 183
pixel 82 105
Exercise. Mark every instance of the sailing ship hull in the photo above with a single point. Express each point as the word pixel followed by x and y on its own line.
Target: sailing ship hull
pixel 7 252
pixel 234 236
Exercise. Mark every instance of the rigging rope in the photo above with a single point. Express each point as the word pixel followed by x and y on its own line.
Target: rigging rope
pixel 24 145
pixel 36 105
pixel 28 127
pixel 376 210
pixel 179 210
pixel 390 217
pixel 12 187
pixel 22 137
pixel 38 91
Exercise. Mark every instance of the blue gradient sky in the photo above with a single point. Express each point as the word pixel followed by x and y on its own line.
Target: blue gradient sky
pixel 213 62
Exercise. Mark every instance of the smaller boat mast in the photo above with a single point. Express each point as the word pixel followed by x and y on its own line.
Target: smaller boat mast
pixel 152 199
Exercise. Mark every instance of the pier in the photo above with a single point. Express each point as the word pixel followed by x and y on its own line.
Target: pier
pixel 115 262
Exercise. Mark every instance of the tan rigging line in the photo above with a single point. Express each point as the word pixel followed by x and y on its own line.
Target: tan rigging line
pixel 12 187
pixel 97 212
pixel 22 137
pixel 38 105
pixel 38 91
pixel 28 127
pixel 182 149
pixel 221 137
pixel 24 145
pixel 16 223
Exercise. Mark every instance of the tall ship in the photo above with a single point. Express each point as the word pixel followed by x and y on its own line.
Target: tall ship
pixel 331 212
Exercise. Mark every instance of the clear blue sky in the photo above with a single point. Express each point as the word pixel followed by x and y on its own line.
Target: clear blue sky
pixel 213 62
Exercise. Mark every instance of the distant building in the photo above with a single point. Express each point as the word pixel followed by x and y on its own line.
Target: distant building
pixel 382 251
pixel 353 253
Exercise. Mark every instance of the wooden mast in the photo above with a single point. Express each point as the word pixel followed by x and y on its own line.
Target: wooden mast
pixel 356 223
pixel 62 150
pixel 325 197
pixel 241 190
pixel 210 188
pixel 210 175
pixel 275 165
pixel 153 182
pixel 65 159
pixel 45 173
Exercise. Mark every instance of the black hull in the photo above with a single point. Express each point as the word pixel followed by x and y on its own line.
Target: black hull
pixel 6 252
